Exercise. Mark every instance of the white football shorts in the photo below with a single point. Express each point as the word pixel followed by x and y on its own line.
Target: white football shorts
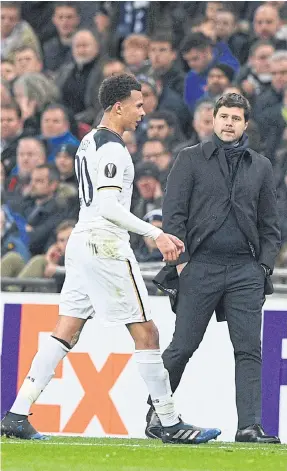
pixel 111 288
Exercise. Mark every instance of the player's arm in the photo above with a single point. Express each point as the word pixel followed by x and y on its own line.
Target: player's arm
pixel 109 185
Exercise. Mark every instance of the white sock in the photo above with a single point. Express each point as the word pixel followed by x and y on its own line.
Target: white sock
pixel 41 372
pixel 156 377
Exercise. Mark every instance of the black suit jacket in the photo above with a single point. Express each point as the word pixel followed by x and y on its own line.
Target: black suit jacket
pixel 198 199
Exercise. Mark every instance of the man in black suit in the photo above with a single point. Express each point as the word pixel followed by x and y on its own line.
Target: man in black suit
pixel 221 202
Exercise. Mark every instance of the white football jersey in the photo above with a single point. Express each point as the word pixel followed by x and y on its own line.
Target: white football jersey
pixel 102 162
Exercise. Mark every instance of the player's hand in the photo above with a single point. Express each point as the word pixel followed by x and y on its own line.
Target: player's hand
pixel 170 247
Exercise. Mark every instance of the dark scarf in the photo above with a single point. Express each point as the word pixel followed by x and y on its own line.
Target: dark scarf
pixel 233 151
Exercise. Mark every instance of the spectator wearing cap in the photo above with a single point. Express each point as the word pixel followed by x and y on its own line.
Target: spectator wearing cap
pixel 219 78
pixel 255 77
pixel 15 31
pixel 163 58
pixel 57 50
pixel 158 151
pixel 148 251
pixel 79 81
pixel 135 53
pixel 65 163
pixel 157 98
pixel 56 129
pixel 201 55
pixel 147 182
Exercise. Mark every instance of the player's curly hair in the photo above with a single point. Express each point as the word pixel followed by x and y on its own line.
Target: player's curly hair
pixel 117 88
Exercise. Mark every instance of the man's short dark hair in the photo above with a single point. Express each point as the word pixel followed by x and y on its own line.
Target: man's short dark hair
pixel 169 117
pixel 195 41
pixel 65 225
pixel 117 88
pixel 231 100
pixel 259 43
pixel 163 37
pixel 15 5
pixel 164 142
pixel 54 174
pixel 68 5
pixel 58 106
pixel 12 106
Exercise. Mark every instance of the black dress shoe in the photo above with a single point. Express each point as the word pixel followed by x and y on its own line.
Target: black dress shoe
pixel 153 427
pixel 255 433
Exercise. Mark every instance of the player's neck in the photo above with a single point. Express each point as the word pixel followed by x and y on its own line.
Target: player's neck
pixel 108 123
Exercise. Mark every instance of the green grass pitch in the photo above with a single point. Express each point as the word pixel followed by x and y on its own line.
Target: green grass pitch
pixel 109 454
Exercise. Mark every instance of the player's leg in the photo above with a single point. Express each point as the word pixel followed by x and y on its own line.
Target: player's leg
pixel 152 370
pixel 75 308
pixel 42 370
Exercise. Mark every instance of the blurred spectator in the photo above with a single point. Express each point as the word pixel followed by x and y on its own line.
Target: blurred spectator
pixel 157 151
pixel 79 80
pixel 57 50
pixel 33 92
pixel 255 77
pixel 219 78
pixel 164 125
pixel 273 95
pixel 149 187
pixel 226 30
pixel 202 125
pixel 65 163
pixel 49 265
pixel 31 152
pixel 274 126
pixel 41 208
pixel 162 55
pixel 266 24
pixel 11 241
pixel 113 67
pixel 130 141
pixel 11 132
pixel 200 55
pixel 55 129
pixel 135 53
pixel 148 251
pixel 8 71
pixel 147 182
pixel 156 98
pixel 27 60
pixel 39 16
pixel 15 31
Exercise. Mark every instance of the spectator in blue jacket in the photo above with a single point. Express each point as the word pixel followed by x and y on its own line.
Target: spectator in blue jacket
pixel 56 129
pixel 201 55
pixel 10 237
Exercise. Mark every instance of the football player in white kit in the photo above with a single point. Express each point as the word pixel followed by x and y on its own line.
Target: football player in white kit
pixel 102 275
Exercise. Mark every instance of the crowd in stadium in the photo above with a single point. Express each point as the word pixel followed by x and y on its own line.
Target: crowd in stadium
pixel 54 56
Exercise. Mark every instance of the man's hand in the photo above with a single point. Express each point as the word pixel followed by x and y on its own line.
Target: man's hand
pixel 170 247
pixel 50 270
pixel 180 267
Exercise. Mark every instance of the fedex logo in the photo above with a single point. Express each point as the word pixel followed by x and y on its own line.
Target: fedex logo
pixel 95 382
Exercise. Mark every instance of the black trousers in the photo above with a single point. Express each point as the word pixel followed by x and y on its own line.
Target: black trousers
pixel 240 290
